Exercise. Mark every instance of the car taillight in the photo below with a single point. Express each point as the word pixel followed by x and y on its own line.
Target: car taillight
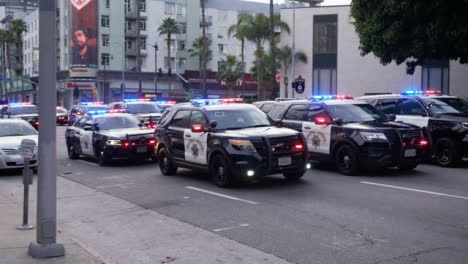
pixel 423 143
pixel 36 123
pixel 298 147
pixel 151 125
pixel 152 142
pixel 125 144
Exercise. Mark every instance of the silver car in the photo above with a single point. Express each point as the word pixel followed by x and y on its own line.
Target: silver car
pixel 12 132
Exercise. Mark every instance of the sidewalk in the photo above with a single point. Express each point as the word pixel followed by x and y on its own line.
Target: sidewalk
pixel 98 228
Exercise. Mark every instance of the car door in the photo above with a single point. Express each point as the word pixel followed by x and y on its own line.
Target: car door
pixel 86 136
pixel 412 112
pixel 317 129
pixel 176 131
pixel 196 142
pixel 295 116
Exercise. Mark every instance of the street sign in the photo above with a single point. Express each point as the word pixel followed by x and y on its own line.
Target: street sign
pixel 27 148
pixel 299 85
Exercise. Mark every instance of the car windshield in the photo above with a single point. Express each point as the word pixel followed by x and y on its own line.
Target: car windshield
pixel 23 110
pixel 144 108
pixel 96 108
pixel 16 129
pixel 447 105
pixel 239 118
pixel 116 122
pixel 356 113
pixel 61 111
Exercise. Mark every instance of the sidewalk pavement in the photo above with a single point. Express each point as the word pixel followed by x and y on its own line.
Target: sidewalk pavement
pixel 99 228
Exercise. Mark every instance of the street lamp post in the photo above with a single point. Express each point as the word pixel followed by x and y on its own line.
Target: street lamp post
pixel 156 48
pixel 124 68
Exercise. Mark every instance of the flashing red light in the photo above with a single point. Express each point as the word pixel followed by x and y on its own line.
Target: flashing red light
pixel 433 92
pixel 423 143
pixel 61 117
pixel 298 147
pixel 114 111
pixel 152 142
pixel 151 125
pixel 321 121
pixel 36 123
pixel 125 144
pixel 197 128
pixel 171 102
pixel 343 97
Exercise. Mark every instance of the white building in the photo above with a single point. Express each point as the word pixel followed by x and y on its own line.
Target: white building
pixel 327 36
pixel 31 45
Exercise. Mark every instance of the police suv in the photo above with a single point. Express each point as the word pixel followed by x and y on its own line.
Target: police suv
pixel 443 117
pixel 110 136
pixel 146 111
pixel 235 142
pixel 351 133
pixel 25 111
pixel 85 109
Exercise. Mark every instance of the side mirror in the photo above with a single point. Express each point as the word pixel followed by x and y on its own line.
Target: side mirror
pixel 96 127
pixel 338 121
pixel 391 117
pixel 213 124
pixel 196 128
pixel 279 123
pixel 321 121
pixel 88 128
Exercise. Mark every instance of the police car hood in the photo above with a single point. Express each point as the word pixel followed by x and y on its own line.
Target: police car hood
pixel 461 117
pixel 378 125
pixel 15 141
pixel 269 131
pixel 122 133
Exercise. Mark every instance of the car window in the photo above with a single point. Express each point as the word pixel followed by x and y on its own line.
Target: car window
pixel 198 118
pixel 181 119
pixel 16 129
pixel 267 107
pixel 297 112
pixel 315 111
pixel 81 122
pixel 276 111
pixel 411 107
pixel 388 106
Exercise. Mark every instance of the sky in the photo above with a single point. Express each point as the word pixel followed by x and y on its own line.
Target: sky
pixel 326 2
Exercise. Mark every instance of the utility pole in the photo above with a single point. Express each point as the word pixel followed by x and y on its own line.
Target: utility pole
pixel 293 70
pixel 274 89
pixel 203 51
pixel 138 41
pixel 45 245
pixel 155 69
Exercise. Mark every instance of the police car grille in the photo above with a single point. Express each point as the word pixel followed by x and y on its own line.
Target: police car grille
pixel 11 151
pixel 284 144
pixel 393 138
pixel 260 147
pixel 413 133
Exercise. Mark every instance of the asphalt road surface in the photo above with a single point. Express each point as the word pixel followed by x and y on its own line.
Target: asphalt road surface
pixel 380 217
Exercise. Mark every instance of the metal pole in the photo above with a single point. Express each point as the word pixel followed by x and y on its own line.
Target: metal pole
pixel 155 69
pixel 45 245
pixel 274 93
pixel 124 68
pixel 293 71
pixel 27 177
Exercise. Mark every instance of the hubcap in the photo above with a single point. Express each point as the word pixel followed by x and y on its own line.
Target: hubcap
pixel 221 171
pixel 346 161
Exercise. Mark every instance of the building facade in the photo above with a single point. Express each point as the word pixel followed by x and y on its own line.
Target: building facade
pixel 328 38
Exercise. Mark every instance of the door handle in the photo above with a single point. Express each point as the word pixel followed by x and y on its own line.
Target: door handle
pixel 187 136
pixel 307 127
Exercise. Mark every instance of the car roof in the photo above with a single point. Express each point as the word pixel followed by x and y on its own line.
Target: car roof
pixel 344 102
pixel 236 106
pixel 382 96
pixel 12 121
pixel 113 115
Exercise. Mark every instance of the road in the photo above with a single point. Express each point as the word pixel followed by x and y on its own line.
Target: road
pixel 380 217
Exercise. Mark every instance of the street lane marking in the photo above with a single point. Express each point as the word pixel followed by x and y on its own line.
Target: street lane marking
pixel 88 162
pixel 415 190
pixel 229 228
pixel 221 195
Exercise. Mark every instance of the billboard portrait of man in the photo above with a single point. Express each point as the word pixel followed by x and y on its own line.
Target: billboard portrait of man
pixel 83 34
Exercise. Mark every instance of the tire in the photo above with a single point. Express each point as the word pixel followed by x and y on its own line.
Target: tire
pixel 446 152
pixel 294 176
pixel 71 153
pixel 35 171
pixel 407 167
pixel 102 158
pixel 166 164
pixel 346 160
pixel 220 171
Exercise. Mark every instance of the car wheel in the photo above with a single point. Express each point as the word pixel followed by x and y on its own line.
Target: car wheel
pixel 346 160
pixel 72 153
pixel 220 171
pixel 293 176
pixel 446 152
pixel 166 165
pixel 102 158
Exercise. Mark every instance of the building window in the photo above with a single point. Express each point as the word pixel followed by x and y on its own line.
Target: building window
pixel 129 25
pixel 169 7
pixel 143 43
pixel 324 78
pixel 142 6
pixel 107 3
pixel 183 28
pixel 105 21
pixel 181 64
pixel 142 24
pixel 325 37
pixel 181 45
pixel 105 58
pixel 435 76
pixel 129 44
pixel 180 10
pixel 105 40
pixel 324 81
pixel 222 49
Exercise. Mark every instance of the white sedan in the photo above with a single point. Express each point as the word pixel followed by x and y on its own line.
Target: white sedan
pixel 12 132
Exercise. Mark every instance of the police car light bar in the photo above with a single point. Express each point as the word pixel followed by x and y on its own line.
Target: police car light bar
pixel 431 92
pixel 166 102
pixel 137 100
pixel 201 102
pixel 15 104
pixel 92 103
pixel 412 92
pixel 97 112
pixel 331 97
pixel 115 111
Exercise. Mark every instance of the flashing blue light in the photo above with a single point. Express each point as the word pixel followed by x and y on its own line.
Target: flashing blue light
pixel 132 100
pixel 97 112
pixel 412 92
pixel 322 97
pixel 92 103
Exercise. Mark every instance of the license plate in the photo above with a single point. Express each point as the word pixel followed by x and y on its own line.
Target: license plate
pixel 141 149
pixel 410 153
pixel 284 161
pixel 20 163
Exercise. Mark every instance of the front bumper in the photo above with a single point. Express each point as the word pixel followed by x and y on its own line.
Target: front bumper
pixel 14 162
pixel 385 155
pixel 131 152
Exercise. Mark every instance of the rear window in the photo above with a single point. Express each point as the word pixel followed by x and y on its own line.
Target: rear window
pixel 23 110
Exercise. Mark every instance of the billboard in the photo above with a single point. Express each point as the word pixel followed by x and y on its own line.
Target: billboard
pixel 83 34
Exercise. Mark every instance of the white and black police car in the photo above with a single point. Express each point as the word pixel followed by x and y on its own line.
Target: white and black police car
pixel 351 133
pixel 144 109
pixel 444 118
pixel 233 141
pixel 110 136
pixel 86 109
pixel 26 111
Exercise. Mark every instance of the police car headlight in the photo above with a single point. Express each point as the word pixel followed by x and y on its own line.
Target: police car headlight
pixel 242 145
pixel 369 136
pixel 114 142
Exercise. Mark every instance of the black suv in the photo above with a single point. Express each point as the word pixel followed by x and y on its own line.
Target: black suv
pixel 233 141
pixel 351 133
pixel 146 111
pixel 444 118
pixel 25 111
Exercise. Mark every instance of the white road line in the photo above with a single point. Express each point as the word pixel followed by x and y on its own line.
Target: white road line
pixel 221 195
pixel 88 162
pixel 415 190
pixel 229 227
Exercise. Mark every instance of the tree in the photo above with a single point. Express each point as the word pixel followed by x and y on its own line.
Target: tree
pixel 412 31
pixel 18 27
pixel 6 38
pixel 229 71
pixel 239 31
pixel 169 27
pixel 199 50
pixel 257 32
pixel 284 59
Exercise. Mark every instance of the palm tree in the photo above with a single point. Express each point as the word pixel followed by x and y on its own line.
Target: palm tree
pixel 6 38
pixel 284 59
pixel 257 32
pixel 198 50
pixel 3 33
pixel 229 71
pixel 239 31
pixel 169 27
pixel 18 27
